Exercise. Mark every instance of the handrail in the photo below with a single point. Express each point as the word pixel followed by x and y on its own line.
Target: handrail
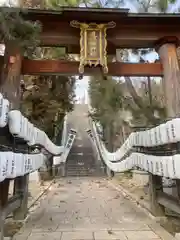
pixel 20 127
pixel 166 133
pixel 64 132
pixel 13 164
pixel 165 166
pixel 70 140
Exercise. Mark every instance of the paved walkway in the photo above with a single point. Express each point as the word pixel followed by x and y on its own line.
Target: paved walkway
pixel 88 209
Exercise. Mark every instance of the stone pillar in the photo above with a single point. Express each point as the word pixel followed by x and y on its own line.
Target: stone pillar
pixel 167 51
pixel 34 177
pixel 140 177
pixel 59 170
pixel 109 172
pixel 63 169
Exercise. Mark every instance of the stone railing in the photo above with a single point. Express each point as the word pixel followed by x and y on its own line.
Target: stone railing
pixel 64 132
pixel 62 158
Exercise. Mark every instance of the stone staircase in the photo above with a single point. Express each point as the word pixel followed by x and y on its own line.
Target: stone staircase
pixel 82 164
pixel 77 166
pixel 81 160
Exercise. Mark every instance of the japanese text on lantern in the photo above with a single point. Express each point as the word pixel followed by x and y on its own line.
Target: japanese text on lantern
pixel 93 44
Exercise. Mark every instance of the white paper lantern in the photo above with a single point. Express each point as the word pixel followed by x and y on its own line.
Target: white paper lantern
pixel 33 137
pixel 34 161
pixel 4 115
pixel 164 137
pixel 21 133
pixel 30 132
pixel 159 135
pixel 143 137
pixel 40 137
pixel 170 163
pixel 19 160
pixel 11 164
pixel 176 159
pixel 153 137
pixel 24 133
pixel 3 166
pixel 1 104
pixel 165 166
pixel 175 130
pixel 57 160
pixel 14 122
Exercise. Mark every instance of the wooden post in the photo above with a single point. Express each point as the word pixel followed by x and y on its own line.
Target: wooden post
pixel 167 50
pixel 21 188
pixel 4 191
pixel 155 185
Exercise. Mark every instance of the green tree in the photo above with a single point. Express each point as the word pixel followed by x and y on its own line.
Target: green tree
pixel 143 112
pixel 48 101
pixel 107 101
pixel 20 38
pixel 48 98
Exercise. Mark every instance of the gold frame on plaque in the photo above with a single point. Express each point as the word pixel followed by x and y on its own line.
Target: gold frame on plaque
pixel 93 44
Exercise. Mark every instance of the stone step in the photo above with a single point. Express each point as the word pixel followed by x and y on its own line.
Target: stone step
pixel 82 158
pixel 71 174
pixel 80 163
pixel 83 167
pixel 80 155
pixel 74 163
pixel 80 169
pixel 77 148
pixel 80 174
pixel 83 173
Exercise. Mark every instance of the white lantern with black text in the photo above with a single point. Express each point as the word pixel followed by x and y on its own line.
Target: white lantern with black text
pixel 3 166
pixel 4 113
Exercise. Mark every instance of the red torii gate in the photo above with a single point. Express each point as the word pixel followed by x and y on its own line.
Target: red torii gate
pixel 40 67
pixel 132 30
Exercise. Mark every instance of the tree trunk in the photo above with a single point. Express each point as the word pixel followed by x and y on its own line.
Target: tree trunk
pixel 139 102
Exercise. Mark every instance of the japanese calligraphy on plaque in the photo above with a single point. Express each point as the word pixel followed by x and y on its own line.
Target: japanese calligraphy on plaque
pixel 93 44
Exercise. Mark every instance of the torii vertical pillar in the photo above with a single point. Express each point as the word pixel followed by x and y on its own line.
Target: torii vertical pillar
pixel 167 50
pixel 11 74
pixel 10 88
